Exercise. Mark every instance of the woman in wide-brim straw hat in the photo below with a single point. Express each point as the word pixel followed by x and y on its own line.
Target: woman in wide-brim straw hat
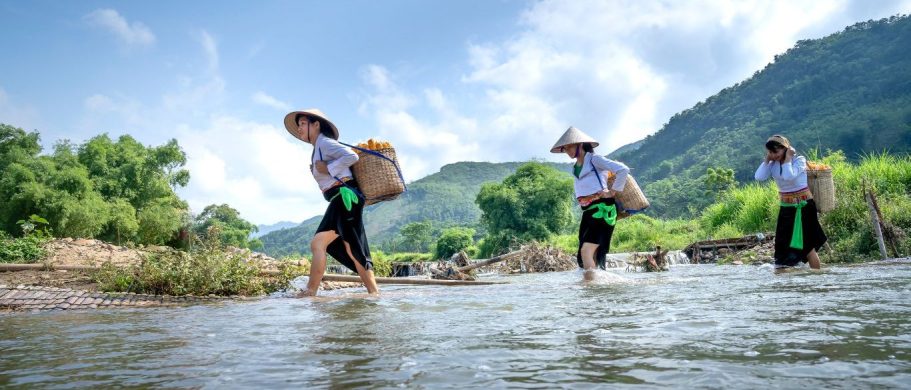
pixel 599 210
pixel 798 235
pixel 341 232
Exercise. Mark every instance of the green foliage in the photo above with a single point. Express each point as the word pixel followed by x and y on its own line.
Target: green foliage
pixel 209 269
pixel 452 241
pixel 532 204
pixel 117 191
pixel 416 236
pixel 382 263
pixel 411 257
pixel 24 250
pixel 717 181
pixel 751 208
pixel 225 222
pixel 640 233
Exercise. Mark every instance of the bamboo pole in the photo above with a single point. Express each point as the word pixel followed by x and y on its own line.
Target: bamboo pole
pixel 877 229
pixel 326 278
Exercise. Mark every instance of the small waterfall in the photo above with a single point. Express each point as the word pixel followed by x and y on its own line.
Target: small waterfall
pixel 410 269
pixel 635 261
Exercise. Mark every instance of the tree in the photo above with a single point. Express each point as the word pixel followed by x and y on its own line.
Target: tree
pixel 416 236
pixel 453 240
pixel 230 227
pixel 717 181
pixel 532 204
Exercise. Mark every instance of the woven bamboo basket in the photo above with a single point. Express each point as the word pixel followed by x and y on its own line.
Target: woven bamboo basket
pixel 822 186
pixel 631 200
pixel 377 177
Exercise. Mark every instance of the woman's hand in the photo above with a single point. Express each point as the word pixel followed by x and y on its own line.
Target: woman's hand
pixel 321 167
pixel 790 154
pixel 769 156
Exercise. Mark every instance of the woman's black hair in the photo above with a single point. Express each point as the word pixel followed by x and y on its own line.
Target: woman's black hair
pixel 324 127
pixel 587 147
pixel 773 146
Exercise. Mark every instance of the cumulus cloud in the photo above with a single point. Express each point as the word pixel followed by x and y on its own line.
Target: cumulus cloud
pixel 265 99
pixel 256 168
pixel 111 20
pixel 616 69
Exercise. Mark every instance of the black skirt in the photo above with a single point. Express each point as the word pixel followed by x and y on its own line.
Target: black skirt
pixel 595 231
pixel 813 236
pixel 349 226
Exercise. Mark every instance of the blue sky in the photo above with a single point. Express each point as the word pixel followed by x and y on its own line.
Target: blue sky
pixel 445 81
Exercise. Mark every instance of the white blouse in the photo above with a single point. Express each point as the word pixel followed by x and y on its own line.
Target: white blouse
pixel 587 183
pixel 790 176
pixel 339 159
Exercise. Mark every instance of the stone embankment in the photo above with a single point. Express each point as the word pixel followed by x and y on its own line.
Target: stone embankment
pixel 52 298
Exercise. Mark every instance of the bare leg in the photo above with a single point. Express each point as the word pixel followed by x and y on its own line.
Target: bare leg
pixel 588 260
pixel 813 257
pixel 366 275
pixel 318 246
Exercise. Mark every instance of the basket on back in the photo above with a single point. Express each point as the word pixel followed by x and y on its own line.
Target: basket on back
pixel 378 178
pixel 822 186
pixel 631 200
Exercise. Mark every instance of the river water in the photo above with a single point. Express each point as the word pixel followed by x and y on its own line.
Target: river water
pixel 695 326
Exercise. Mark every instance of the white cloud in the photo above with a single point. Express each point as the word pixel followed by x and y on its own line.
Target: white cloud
pixel 210 48
pixel 616 69
pixel 111 20
pixel 256 168
pixel 203 93
pixel 270 101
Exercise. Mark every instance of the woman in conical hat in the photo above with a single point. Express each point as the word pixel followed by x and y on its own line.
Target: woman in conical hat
pixel 798 234
pixel 341 232
pixel 599 210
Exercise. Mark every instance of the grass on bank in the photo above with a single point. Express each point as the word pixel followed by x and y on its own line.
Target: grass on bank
pixel 208 270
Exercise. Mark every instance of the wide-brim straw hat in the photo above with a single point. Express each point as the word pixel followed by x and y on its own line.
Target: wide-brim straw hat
pixel 291 124
pixel 573 136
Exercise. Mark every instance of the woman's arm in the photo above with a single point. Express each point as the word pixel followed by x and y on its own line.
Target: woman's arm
pixel 794 168
pixel 764 172
pixel 620 170
pixel 338 157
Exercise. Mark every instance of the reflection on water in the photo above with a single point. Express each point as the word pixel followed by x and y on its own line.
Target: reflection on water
pixel 696 326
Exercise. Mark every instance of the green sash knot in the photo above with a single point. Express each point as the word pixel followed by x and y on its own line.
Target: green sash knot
pixel 606 212
pixel 797 235
pixel 348 197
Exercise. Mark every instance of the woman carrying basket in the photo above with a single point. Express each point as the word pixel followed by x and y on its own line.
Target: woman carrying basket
pixel 341 232
pixel 798 235
pixel 599 210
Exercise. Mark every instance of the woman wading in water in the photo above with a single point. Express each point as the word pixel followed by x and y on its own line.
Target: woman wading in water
pixel 798 235
pixel 599 210
pixel 341 232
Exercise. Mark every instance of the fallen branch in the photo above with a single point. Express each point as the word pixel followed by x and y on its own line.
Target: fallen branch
pixel 492 260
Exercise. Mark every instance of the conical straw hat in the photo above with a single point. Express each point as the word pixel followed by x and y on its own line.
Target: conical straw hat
pixel 572 136
pixel 291 126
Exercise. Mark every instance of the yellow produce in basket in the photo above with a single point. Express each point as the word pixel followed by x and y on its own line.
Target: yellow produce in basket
pixel 815 166
pixel 372 144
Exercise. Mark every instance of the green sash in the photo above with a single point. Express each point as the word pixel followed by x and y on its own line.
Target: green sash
pixel 606 212
pixel 797 236
pixel 348 197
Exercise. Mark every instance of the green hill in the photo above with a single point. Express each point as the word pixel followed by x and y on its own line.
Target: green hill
pixel 446 198
pixel 849 91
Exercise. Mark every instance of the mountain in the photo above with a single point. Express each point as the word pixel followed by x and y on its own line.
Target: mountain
pixel 849 91
pixel 266 229
pixel 628 148
pixel 446 198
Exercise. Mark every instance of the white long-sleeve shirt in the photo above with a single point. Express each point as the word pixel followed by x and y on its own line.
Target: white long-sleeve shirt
pixel 587 183
pixel 339 159
pixel 790 176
